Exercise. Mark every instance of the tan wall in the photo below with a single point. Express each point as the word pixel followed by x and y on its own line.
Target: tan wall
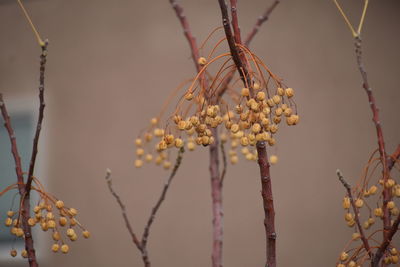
pixel 110 65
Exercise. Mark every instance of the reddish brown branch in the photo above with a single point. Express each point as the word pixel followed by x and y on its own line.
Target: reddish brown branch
pixel 380 139
pixel 393 158
pixel 217 209
pixel 268 203
pixel 356 217
pixel 142 244
pixel 261 19
pixel 216 185
pixel 21 186
pixel 393 230
pixel 224 163
pixel 43 57
pixel 241 66
pixel 186 30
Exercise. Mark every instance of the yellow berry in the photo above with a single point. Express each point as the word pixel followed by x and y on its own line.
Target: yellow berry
pixel 356 236
pixel 273 159
pixel 70 232
pixel 62 221
pixel 51 224
pixel 378 212
pixel 274 128
pixel 86 234
pixel 167 165
pixel 64 248
pixel 179 143
pixel 344 256
pixel 50 216
pixel 372 190
pixel 371 221
pixel 280 91
pixel 202 61
pixel 244 141
pixel 56 236
pixel 245 92
pixel 260 96
pixel 389 183
pixel 191 146
pixel 13 253
pixel 289 92
pixel 234 159
pixel 139 151
pixel 188 96
pixel 154 121
pixel 8 221
pixel 393 251
pixel 346 203
pixel 359 203
pixel 348 216
pixel 394 259
pixel 24 254
pixel 73 237
pixel 256 86
pixel 256 128
pixel 72 212
pixel 10 213
pixel 138 141
pixel 72 222
pixel 55 247
pixel 138 163
pixel 276 99
pixel 59 204
pixel 149 157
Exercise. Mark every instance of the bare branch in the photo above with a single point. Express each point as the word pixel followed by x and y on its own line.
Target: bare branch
pixel 261 19
pixel 21 186
pixel 40 118
pixel 393 158
pixel 142 244
pixel 225 163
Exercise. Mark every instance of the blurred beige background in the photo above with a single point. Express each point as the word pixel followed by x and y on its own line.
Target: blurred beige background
pixel 110 65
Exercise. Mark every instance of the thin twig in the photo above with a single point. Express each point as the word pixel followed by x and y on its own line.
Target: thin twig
pixel 123 210
pixel 142 244
pixel 43 60
pixel 379 133
pixel 21 186
pixel 224 163
pixel 261 19
pixel 356 217
pixel 393 158
pixel 161 198
pixel 186 30
pixel 393 230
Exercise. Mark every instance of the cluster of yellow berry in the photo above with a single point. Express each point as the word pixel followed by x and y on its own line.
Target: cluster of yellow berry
pixel 391 255
pixel 48 220
pixel 248 115
pixel 253 119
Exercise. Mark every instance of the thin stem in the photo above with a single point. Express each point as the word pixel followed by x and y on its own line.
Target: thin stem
pixel 142 244
pixel 40 119
pixel 379 133
pixel 261 19
pixel 21 186
pixel 356 217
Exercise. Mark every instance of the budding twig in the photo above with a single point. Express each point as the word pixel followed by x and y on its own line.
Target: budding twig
pixel 142 244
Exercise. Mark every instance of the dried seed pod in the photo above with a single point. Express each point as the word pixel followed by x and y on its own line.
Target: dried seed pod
pixel 289 92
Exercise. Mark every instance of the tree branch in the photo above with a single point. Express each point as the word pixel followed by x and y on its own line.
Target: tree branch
pixel 266 185
pixel 21 186
pixel 261 19
pixel 142 244
pixel 40 119
pixel 268 203
pixel 379 133
pixel 393 158
pixel 356 217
